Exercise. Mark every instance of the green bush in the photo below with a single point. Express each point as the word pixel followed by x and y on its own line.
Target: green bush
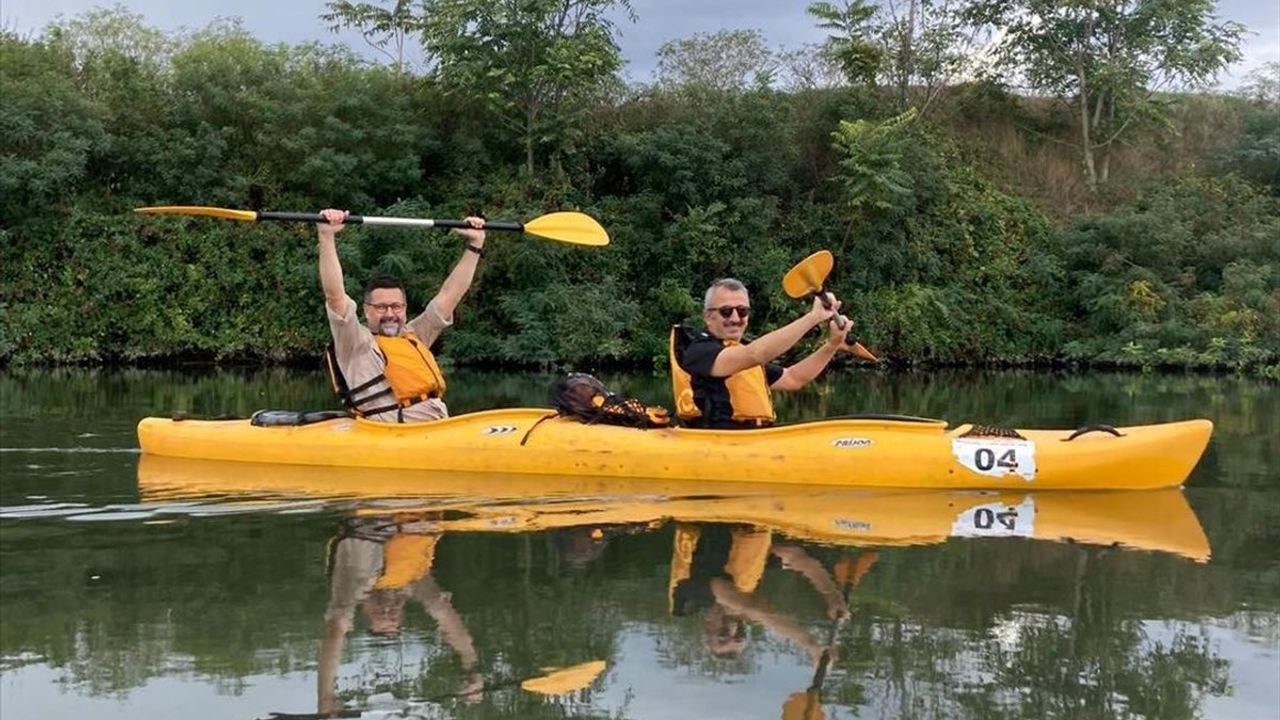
pixel 1189 275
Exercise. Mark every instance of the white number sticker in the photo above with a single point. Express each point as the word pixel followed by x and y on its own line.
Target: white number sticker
pixel 996 457
pixel 997 520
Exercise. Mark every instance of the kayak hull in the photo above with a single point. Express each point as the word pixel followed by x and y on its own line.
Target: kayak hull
pixel 839 452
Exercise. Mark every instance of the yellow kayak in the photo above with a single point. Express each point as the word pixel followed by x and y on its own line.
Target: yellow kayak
pixel 859 452
pixel 1158 520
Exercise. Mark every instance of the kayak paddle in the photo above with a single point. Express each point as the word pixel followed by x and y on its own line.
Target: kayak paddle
pixel 808 279
pixel 807 705
pixel 848 572
pixel 552 681
pixel 568 227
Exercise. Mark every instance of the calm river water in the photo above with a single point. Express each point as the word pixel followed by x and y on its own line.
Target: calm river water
pixel 136 589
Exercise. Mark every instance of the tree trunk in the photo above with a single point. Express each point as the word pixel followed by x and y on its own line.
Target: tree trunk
pixel 1091 172
pixel 1086 139
pixel 1090 169
pixel 528 143
pixel 908 54
pixel 1104 171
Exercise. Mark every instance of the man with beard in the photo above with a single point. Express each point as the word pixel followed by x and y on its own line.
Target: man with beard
pixel 384 368
pixel 720 381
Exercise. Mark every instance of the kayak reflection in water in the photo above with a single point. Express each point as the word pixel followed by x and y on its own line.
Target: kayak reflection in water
pixel 716 568
pixel 379 564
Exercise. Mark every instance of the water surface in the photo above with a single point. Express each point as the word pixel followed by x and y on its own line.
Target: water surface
pixel 133 589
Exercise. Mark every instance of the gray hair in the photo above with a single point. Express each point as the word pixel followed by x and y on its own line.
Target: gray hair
pixel 731 284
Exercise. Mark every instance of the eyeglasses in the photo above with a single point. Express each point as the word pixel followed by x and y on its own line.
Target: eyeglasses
pixel 727 311
pixel 386 307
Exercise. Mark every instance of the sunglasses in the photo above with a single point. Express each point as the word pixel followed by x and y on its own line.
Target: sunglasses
pixel 727 311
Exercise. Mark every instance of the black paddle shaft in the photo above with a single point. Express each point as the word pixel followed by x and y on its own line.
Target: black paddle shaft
pixel 849 339
pixel 507 226
pixel 360 220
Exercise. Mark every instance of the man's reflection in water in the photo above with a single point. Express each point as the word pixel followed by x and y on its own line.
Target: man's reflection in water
pixel 716 568
pixel 379 564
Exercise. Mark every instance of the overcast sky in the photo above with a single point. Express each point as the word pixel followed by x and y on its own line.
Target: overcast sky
pixel 783 22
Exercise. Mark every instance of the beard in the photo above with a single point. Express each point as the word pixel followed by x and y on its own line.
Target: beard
pixel 390 328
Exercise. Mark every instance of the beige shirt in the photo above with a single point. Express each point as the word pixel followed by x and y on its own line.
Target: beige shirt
pixel 361 361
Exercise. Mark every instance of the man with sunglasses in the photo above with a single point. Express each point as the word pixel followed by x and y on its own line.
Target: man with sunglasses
pixel 722 382
pixel 383 368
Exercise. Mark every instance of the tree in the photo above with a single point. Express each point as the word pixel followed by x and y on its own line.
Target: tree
pixel 1262 85
pixel 378 26
pixel 851 44
pixel 923 46
pixel 725 60
pixel 809 67
pixel 1109 58
pixel 1256 154
pixel 534 63
pixel 48 129
pixel 109 33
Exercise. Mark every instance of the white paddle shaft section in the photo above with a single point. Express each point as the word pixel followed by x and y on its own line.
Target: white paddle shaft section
pixel 399 221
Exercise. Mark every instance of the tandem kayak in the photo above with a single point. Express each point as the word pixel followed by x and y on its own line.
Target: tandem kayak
pixel 874 451
pixel 1158 520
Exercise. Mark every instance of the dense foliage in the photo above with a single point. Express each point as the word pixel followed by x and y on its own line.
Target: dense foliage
pixel 940 259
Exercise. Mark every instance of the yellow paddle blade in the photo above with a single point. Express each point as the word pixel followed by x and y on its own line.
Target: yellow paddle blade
pixel 565 680
pixel 246 215
pixel 568 227
pixel 860 351
pixel 851 571
pixel 808 274
pixel 803 706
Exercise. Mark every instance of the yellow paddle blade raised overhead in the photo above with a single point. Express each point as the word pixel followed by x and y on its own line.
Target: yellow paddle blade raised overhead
pixel 200 211
pixel 808 275
pixel 568 227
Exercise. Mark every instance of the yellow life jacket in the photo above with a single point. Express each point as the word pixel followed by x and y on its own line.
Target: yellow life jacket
pixel 685 542
pixel 745 564
pixel 748 389
pixel 747 557
pixel 411 375
pixel 406 558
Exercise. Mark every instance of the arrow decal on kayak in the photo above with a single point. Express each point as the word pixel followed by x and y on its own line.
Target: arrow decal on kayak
pixel 499 430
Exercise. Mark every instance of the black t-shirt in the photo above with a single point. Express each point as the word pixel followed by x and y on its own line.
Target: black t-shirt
pixel 710 560
pixel 710 393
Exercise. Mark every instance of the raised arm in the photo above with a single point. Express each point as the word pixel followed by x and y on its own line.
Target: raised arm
pixel 752 608
pixel 335 291
pixel 459 280
pixel 335 633
pixel 795 558
pixel 802 373
pixel 767 347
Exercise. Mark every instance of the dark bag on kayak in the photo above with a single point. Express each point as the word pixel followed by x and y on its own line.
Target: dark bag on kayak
pixel 584 397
